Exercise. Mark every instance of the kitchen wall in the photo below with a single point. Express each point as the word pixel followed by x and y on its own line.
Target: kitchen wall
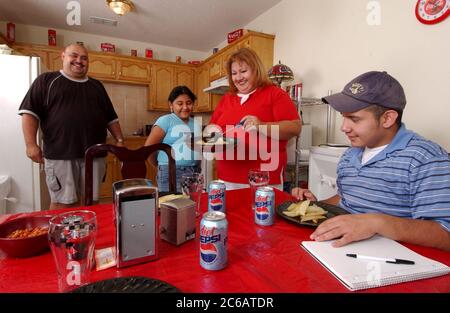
pixel 39 35
pixel 130 103
pixel 327 43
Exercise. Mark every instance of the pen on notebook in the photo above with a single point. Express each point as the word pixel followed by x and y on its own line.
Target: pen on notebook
pixel 392 261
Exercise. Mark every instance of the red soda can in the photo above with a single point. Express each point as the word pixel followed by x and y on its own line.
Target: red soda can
pixel 52 37
pixel 11 32
pixel 149 53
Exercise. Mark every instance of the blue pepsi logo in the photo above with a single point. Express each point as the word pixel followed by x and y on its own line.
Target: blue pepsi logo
pixel 262 213
pixel 208 252
pixel 216 204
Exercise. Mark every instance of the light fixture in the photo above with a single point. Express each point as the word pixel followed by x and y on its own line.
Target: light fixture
pixel 280 73
pixel 120 7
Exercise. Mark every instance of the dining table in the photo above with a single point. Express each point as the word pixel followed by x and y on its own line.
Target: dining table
pixel 261 259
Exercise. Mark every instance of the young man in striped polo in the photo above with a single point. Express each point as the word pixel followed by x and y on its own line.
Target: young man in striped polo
pixel 398 179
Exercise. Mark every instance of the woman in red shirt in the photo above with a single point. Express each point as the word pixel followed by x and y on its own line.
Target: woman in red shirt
pixel 268 116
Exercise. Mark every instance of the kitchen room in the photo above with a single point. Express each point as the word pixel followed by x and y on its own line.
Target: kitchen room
pixel 325 43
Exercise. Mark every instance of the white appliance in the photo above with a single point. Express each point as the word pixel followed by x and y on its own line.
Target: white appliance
pixel 322 174
pixel 219 86
pixel 26 177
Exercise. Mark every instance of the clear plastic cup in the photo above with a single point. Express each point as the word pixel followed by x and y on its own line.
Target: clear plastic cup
pixel 192 186
pixel 256 179
pixel 72 241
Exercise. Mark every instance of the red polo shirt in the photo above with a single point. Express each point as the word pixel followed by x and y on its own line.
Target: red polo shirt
pixel 269 104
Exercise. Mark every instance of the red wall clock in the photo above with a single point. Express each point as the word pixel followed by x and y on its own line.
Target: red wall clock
pixel 432 11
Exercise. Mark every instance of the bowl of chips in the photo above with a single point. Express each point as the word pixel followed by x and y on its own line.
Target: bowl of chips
pixel 24 237
pixel 308 213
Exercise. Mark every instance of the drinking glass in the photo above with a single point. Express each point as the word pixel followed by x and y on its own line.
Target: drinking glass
pixel 72 241
pixel 192 186
pixel 256 179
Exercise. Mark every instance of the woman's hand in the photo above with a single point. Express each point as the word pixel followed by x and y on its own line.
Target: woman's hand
pixel 251 122
pixel 302 194
pixel 210 129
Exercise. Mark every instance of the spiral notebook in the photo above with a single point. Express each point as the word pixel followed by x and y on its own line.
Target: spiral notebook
pixel 358 274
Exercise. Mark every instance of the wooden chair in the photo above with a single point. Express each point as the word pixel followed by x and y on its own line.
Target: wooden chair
pixel 133 164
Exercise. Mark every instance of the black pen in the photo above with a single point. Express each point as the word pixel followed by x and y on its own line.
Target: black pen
pixel 392 261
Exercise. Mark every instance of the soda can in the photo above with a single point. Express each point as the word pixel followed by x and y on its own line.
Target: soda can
pixel 264 206
pixel 213 241
pixel 52 37
pixel 216 196
pixel 215 50
pixel 11 32
pixel 178 59
pixel 149 53
pixel 133 52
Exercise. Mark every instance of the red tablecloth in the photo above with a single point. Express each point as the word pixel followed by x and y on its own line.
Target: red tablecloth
pixel 261 259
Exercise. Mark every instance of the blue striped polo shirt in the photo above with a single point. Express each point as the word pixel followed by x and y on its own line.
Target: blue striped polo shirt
pixel 409 178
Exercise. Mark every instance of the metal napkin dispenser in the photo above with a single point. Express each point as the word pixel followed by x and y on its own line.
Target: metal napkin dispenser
pixel 178 220
pixel 135 216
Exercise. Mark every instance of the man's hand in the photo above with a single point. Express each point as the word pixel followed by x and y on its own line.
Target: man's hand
pixel 34 152
pixel 350 227
pixel 302 194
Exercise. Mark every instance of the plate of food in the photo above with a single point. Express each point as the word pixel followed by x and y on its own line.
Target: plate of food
pixel 307 212
pixel 216 141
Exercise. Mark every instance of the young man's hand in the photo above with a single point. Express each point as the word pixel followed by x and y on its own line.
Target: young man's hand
pixel 303 194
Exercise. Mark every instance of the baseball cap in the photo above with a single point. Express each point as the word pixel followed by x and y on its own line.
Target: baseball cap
pixel 369 88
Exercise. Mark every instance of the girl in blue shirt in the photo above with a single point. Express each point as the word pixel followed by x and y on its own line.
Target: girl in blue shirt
pixel 175 129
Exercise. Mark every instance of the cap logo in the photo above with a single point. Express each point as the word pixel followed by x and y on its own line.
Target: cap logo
pixel 356 88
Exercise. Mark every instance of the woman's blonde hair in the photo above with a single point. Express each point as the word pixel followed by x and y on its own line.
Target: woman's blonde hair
pixel 253 61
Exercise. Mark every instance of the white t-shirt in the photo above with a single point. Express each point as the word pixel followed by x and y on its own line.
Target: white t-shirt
pixel 369 153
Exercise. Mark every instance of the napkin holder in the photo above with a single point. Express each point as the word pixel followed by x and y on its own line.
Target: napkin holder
pixel 178 220
pixel 135 217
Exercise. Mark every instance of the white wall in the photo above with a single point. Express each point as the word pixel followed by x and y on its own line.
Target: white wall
pixel 39 35
pixel 329 42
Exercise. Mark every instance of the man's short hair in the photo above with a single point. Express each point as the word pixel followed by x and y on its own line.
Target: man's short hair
pixel 378 111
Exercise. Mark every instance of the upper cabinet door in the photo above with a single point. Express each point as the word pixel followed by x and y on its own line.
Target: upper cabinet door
pixel 162 85
pixel 134 70
pixel 54 61
pixel 203 98
pixel 185 77
pixel 102 67
pixel 215 68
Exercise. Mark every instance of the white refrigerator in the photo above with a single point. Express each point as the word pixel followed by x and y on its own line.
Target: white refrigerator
pixel 26 177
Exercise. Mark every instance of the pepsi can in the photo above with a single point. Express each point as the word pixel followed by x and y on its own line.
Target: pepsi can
pixel 264 206
pixel 213 241
pixel 216 196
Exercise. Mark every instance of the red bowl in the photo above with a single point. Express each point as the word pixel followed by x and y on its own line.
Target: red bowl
pixel 24 247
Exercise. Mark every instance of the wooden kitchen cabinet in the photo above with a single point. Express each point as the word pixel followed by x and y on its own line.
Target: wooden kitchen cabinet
pixel 102 67
pixel 160 76
pixel 203 98
pixel 184 77
pixel 54 61
pixel 134 70
pixel 215 68
pixel 162 85
pixel 113 167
